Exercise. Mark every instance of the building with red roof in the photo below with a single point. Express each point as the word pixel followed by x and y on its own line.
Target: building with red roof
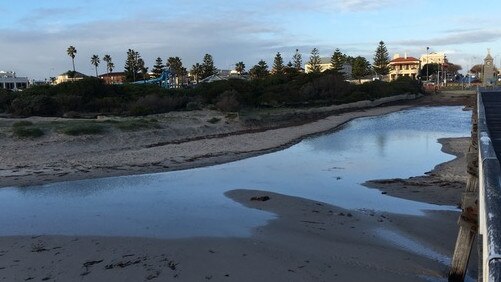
pixel 404 66
pixel 113 77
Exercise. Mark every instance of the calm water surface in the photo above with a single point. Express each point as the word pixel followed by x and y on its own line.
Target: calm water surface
pixel 329 168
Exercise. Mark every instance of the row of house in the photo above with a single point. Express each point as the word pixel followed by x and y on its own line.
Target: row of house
pixel 109 78
pixel 10 81
pixel 399 66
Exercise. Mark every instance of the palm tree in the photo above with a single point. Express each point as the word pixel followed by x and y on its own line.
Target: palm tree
pixel 240 67
pixel 72 52
pixel 95 61
pixel 109 63
pixel 110 66
pixel 196 71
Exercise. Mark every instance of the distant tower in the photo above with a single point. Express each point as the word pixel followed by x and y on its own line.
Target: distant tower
pixel 488 70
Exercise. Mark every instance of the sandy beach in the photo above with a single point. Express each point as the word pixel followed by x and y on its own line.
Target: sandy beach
pixel 308 241
pixel 182 140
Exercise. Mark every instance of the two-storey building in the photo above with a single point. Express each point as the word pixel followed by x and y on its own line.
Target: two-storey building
pixel 113 77
pixel 404 66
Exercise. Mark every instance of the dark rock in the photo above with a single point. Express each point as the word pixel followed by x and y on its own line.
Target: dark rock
pixel 260 198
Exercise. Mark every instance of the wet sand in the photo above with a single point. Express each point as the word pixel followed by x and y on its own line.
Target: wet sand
pixel 309 241
pixel 443 185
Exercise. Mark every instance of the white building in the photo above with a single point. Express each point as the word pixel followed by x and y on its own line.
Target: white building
pixel 9 80
pixel 438 58
pixel 325 64
pixel 69 76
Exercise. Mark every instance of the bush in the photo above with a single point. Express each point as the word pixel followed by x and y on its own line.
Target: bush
pixel 76 129
pixel 404 85
pixel 27 132
pixel 193 106
pixel 6 98
pixel 91 95
pixel 228 102
pixel 214 120
pixel 42 105
pixel 22 123
pixel 155 103
pixel 70 103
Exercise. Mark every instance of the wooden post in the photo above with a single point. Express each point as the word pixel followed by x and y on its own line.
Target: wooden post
pixel 468 226
pixel 468 220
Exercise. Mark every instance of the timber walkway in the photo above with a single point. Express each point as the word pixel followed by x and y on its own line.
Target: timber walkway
pixel 481 206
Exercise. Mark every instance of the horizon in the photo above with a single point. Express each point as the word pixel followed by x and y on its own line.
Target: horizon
pixel 233 32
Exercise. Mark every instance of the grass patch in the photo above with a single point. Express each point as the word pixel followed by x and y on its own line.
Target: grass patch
pixel 22 123
pixel 77 129
pixel 233 115
pixel 137 124
pixel 214 120
pixel 27 132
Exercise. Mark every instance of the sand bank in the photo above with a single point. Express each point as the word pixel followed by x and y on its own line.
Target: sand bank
pixel 308 241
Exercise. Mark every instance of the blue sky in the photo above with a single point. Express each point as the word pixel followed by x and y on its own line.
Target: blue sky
pixel 34 35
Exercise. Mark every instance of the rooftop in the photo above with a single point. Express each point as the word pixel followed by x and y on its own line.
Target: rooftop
pixel 403 60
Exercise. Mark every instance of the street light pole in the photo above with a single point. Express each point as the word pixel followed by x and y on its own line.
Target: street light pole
pixel 427 58
pixel 444 68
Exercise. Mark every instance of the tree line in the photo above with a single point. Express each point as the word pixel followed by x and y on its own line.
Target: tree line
pixel 135 69
pixel 284 85
pixel 90 96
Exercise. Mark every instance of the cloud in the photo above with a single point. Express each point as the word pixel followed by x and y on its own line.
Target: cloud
pixel 455 38
pixel 330 6
pixel 361 5
pixel 462 30
pixel 42 15
pixel 229 40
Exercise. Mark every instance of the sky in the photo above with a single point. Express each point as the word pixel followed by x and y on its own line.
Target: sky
pixel 34 34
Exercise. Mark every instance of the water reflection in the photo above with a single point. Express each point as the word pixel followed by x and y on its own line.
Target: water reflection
pixel 187 203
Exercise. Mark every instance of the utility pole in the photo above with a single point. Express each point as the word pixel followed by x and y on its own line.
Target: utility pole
pixel 427 58
pixel 444 68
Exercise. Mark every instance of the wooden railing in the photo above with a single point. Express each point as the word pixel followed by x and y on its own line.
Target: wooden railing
pixel 489 129
pixel 481 211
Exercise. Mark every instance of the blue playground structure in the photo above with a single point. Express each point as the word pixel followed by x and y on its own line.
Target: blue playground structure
pixel 163 80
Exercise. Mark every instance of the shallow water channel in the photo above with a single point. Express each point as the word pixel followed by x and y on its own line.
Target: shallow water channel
pixel 328 168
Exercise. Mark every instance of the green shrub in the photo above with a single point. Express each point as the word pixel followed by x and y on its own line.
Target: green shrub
pixel 157 103
pixel 22 123
pixel 228 102
pixel 405 85
pixel 193 106
pixel 92 96
pixel 6 98
pixel 231 115
pixel 76 129
pixel 214 120
pixel 27 132
pixel 39 105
